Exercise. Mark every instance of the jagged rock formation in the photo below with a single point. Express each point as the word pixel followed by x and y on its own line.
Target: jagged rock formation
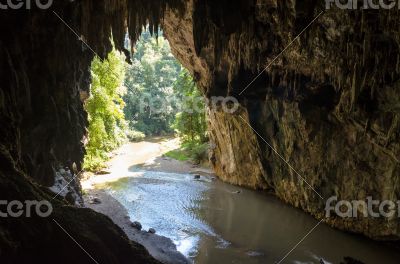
pixel 329 105
pixel 45 76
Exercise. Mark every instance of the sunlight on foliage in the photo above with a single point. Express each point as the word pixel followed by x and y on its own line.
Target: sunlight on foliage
pixel 151 76
pixel 190 124
pixel 156 76
pixel 107 123
pixel 118 90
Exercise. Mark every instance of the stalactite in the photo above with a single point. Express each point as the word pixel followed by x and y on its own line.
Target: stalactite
pixel 225 38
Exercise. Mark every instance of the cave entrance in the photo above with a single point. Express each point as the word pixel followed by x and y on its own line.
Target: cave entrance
pixel 152 99
pixel 45 57
pixel 147 131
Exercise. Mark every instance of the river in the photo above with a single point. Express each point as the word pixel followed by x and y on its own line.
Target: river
pixel 214 222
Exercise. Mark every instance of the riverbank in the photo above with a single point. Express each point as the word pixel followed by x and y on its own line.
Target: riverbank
pixel 161 248
pixel 147 155
pixel 197 218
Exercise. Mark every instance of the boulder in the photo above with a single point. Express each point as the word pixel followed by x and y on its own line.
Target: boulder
pixel 137 225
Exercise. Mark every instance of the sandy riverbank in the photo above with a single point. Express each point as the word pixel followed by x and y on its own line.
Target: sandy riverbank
pixel 145 155
pixel 161 248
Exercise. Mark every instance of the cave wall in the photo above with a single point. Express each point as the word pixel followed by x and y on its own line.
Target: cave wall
pixel 45 78
pixel 329 105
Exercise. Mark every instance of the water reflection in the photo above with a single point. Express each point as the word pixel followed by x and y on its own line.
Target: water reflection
pixel 211 223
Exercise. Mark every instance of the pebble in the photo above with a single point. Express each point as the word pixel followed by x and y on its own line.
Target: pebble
pixel 95 201
pixel 137 225
pixel 254 253
pixel 197 176
pixel 152 231
pixel 103 172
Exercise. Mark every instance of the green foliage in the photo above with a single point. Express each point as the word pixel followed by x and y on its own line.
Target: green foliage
pixel 199 152
pixel 195 152
pixel 178 154
pixel 157 86
pixel 107 123
pixel 190 124
pixel 150 78
pixel 134 135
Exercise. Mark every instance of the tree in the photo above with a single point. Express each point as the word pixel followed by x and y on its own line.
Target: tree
pixel 162 97
pixel 107 123
pixel 149 81
pixel 190 123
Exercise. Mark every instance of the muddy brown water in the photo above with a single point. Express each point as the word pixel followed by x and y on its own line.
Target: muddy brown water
pixel 211 223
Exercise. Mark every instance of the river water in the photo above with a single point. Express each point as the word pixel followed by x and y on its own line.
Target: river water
pixel 211 223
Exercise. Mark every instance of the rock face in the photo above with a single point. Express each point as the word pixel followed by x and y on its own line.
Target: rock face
pixel 328 105
pixel 242 167
pixel 45 77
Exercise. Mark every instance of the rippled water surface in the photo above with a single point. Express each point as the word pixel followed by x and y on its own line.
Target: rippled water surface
pixel 211 223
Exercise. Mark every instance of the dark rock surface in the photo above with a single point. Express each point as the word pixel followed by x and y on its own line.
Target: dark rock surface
pixel 329 105
pixel 160 247
pixel 45 77
pixel 137 225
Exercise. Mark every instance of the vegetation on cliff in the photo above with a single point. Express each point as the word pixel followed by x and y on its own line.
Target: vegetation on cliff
pixel 150 81
pixel 190 124
pixel 153 96
pixel 107 123
pixel 162 98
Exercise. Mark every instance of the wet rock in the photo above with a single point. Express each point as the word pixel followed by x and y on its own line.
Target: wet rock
pixel 95 201
pixel 137 225
pixel 344 111
pixel 70 197
pixel 103 172
pixel 197 176
pixel 255 253
pixel 350 260
pixel 152 231
pixel 348 111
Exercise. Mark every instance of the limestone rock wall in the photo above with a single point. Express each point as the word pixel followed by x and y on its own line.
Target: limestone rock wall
pixel 329 104
pixel 45 77
pixel 229 134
